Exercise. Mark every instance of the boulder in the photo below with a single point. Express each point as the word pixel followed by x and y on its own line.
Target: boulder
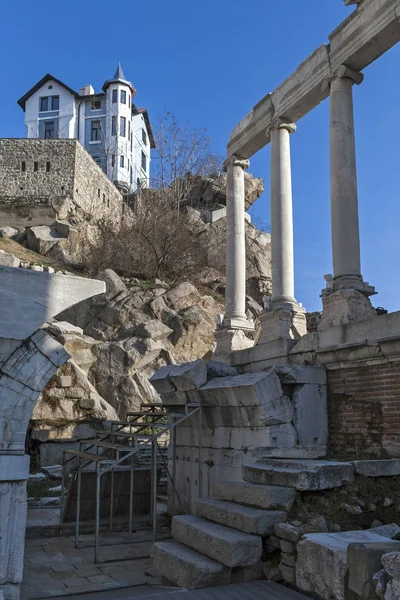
pixel 7 232
pixel 9 260
pixel 161 380
pixel 42 238
pixel 182 296
pixel 391 563
pixel 154 330
pixel 380 580
pixel 393 590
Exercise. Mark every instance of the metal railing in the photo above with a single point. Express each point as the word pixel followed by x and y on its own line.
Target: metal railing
pixel 135 441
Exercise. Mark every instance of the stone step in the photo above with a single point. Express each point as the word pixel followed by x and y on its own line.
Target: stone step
pixel 269 497
pixel 300 474
pixel 187 568
pixel 230 547
pixel 242 518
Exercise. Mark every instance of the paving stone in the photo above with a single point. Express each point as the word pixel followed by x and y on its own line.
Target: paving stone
pixel 260 496
pixel 243 518
pixel 300 474
pixel 230 547
pixel 364 561
pixel 99 578
pixel 187 568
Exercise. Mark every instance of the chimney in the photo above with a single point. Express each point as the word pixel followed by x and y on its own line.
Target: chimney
pixel 88 90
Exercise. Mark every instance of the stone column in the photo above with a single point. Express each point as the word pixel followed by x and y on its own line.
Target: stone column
pixel 231 336
pixel 235 298
pixel 284 323
pixel 344 197
pixel 282 216
pixel 346 298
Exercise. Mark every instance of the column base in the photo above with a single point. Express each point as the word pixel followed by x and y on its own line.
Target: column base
pixel 238 323
pixel 351 282
pixel 229 340
pixel 281 324
pixel 344 306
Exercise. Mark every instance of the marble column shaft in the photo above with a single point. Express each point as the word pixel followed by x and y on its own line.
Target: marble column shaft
pixel 235 313
pixel 282 216
pixel 344 195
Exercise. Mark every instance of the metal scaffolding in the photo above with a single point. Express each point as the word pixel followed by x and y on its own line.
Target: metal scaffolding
pixel 125 441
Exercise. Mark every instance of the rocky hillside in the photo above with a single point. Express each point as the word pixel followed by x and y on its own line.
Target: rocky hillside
pixel 118 340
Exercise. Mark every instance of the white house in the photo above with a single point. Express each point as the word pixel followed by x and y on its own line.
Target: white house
pixel 108 124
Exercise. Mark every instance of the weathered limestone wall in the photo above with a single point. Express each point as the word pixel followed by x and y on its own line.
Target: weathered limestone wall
pixel 41 180
pixel 273 413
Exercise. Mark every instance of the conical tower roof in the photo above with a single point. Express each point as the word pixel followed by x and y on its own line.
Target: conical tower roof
pixel 119 77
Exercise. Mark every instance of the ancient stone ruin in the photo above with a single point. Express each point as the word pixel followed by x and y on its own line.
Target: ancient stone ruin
pixel 283 445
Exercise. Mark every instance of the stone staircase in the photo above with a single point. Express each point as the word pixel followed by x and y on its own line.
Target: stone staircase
pixel 222 542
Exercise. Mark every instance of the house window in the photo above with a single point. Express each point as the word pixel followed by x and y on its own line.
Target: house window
pixel 95 133
pixel 113 160
pixel 23 166
pixel 129 100
pixel 123 97
pixel 144 162
pixel 122 161
pixel 131 141
pixel 144 137
pixel 48 167
pixel 44 104
pixel 123 127
pixel 129 130
pixel 115 96
pixel 114 126
pixel 36 166
pixel 131 175
pixel 49 103
pixel 49 130
pixel 96 104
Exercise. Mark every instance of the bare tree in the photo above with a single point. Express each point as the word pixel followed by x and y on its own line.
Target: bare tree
pixel 159 239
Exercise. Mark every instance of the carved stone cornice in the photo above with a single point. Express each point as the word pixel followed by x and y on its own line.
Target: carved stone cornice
pixel 235 161
pixel 281 124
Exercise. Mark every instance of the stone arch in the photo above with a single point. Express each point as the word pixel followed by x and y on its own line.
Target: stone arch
pixel 29 357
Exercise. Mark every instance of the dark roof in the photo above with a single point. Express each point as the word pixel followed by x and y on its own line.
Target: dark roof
pixel 119 73
pixel 35 88
pixel 143 111
pixel 119 77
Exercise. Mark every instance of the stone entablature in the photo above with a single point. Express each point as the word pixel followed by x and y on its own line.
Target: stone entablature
pixel 41 180
pixel 349 44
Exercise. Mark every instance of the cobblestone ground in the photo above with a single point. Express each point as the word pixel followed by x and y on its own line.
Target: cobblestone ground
pixel 54 567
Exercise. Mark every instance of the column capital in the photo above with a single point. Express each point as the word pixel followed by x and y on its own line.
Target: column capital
pixel 281 124
pixel 344 71
pixel 235 161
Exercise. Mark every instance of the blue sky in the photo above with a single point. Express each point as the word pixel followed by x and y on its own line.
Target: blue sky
pixel 209 62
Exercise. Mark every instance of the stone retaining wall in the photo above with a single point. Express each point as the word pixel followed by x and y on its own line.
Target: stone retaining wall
pixel 41 180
